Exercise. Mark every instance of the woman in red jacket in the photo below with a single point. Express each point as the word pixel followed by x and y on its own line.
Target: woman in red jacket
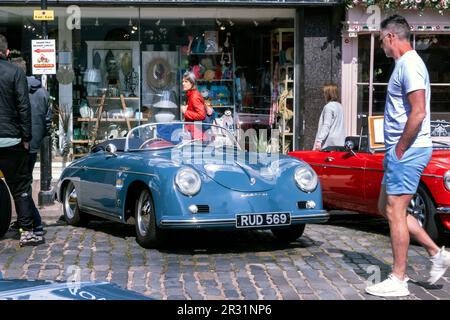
pixel 194 110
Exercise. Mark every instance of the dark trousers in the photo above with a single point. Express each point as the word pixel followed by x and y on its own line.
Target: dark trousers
pixel 31 162
pixel 14 165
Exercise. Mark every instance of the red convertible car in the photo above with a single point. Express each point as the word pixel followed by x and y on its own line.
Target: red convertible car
pixel 351 176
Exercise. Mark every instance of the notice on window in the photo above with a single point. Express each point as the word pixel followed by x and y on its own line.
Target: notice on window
pixel 43 56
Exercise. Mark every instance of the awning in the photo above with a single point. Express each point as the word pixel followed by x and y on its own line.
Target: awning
pixel 273 3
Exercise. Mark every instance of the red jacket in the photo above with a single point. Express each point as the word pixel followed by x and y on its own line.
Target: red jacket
pixel 195 106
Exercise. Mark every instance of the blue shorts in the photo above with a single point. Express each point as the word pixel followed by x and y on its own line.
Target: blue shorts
pixel 403 176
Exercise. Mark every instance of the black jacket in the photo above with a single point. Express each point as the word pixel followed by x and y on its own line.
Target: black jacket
pixel 15 109
pixel 40 113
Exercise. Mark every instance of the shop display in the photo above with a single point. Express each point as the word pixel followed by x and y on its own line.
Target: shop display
pixel 159 87
pixel 214 77
pixel 159 74
pixel 282 115
pixel 211 42
pixel 131 82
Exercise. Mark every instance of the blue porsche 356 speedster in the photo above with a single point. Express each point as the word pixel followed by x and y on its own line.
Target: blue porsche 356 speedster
pixel 190 175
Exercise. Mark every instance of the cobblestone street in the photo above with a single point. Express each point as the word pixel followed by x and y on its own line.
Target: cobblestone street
pixel 331 261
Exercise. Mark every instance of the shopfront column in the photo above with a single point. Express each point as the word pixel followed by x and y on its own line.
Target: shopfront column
pixel 65 90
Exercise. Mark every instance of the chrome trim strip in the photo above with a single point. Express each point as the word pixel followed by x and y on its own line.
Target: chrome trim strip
pixel 370 169
pixel 144 174
pixel 432 176
pixel 445 210
pixel 185 222
pixel 101 214
pixel 115 170
pixel 232 221
pixel 311 216
pixel 339 167
pixel 374 170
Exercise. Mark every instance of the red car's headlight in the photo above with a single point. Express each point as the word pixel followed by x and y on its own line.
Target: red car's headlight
pixel 447 180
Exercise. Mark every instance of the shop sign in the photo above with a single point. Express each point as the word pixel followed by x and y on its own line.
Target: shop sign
pixel 44 15
pixel 43 56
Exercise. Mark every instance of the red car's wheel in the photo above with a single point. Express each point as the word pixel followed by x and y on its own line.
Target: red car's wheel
pixel 422 208
pixel 5 208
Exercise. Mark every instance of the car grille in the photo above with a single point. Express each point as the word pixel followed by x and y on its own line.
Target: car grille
pixel 203 208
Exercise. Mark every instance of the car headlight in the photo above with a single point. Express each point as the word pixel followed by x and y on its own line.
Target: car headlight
pixel 188 181
pixel 306 179
pixel 447 180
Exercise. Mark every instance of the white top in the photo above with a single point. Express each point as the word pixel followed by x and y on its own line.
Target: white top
pixel 331 130
pixel 9 142
pixel 410 74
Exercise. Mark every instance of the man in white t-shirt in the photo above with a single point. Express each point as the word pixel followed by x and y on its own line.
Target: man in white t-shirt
pixel 408 151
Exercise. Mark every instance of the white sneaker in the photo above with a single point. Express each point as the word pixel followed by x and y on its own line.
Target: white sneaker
pixel 441 262
pixel 391 287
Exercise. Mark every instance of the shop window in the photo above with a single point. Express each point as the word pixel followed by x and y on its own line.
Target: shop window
pixel 435 52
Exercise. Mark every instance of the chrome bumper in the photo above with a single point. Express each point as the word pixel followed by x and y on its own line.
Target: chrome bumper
pixel 443 210
pixel 231 222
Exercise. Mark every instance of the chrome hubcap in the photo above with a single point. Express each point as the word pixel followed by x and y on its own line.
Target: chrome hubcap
pixel 416 208
pixel 70 202
pixel 144 213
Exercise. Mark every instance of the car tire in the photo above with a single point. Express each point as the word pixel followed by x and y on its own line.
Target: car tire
pixel 148 235
pixel 289 234
pixel 424 210
pixel 72 213
pixel 5 208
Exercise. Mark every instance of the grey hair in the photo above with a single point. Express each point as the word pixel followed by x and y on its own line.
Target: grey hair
pixel 189 76
pixel 398 25
pixel 3 44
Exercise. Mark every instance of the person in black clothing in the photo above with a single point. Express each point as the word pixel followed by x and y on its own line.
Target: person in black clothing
pixel 41 121
pixel 15 137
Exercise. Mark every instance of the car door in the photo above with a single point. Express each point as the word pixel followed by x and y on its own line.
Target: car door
pixel 98 183
pixel 373 177
pixel 342 179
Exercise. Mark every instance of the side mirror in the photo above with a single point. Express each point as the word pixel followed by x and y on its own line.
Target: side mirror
pixel 349 146
pixel 111 149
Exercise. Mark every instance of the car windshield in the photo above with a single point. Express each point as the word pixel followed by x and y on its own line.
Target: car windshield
pixel 154 136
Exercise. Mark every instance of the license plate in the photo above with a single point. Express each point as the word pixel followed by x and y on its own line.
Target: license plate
pixel 256 220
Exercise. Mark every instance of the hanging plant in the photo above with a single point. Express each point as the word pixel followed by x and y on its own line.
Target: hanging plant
pixel 440 5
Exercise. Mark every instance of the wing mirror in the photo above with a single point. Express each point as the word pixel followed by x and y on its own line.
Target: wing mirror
pixel 350 146
pixel 111 149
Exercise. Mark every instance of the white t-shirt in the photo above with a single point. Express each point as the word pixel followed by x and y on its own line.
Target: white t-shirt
pixel 410 74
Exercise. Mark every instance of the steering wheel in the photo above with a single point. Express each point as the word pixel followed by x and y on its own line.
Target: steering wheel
pixel 152 140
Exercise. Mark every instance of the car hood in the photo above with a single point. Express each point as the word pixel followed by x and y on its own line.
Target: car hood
pixel 439 161
pixel 245 172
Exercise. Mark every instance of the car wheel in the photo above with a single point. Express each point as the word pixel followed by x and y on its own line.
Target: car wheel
pixel 72 213
pixel 422 208
pixel 289 234
pixel 5 208
pixel 148 235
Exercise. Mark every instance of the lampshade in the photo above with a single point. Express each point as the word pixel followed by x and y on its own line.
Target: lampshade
pixel 92 76
pixel 165 104
pixel 166 100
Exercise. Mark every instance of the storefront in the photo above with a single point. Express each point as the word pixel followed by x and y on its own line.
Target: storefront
pixel 120 66
pixel 366 70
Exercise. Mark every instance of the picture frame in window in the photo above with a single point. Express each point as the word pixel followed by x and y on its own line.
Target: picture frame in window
pixel 376 132
pixel 211 42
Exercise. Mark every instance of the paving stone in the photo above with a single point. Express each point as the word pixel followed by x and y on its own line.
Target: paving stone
pixel 329 262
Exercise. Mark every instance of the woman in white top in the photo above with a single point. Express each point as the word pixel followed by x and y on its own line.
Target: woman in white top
pixel 331 130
